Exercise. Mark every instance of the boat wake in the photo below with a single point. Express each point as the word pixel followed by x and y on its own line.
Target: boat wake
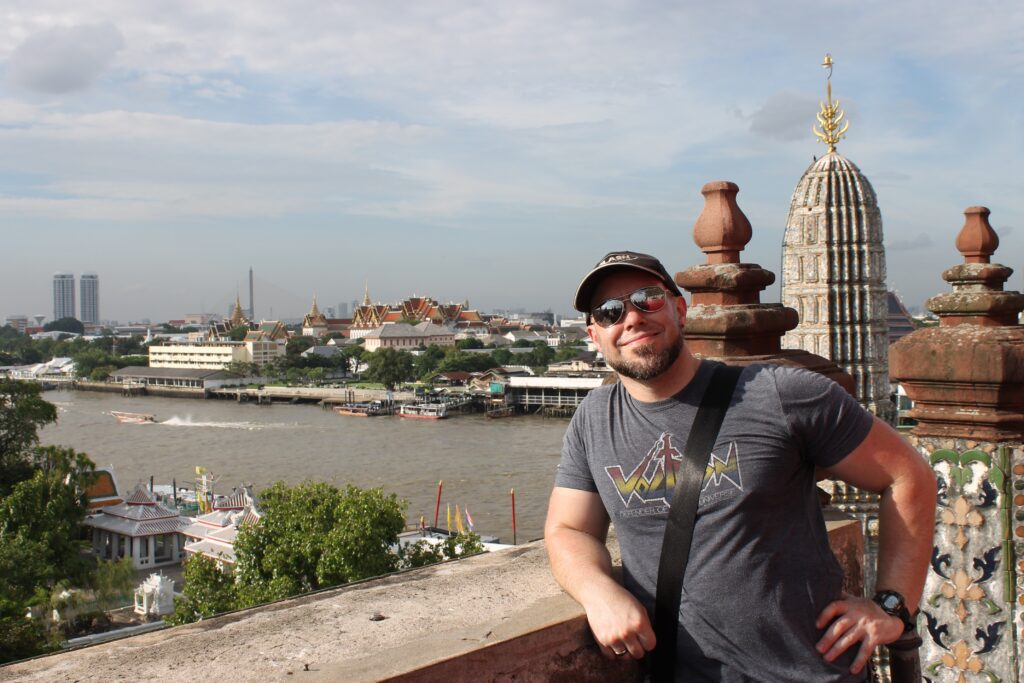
pixel 187 421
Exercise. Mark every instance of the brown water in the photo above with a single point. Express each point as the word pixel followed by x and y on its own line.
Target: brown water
pixel 480 460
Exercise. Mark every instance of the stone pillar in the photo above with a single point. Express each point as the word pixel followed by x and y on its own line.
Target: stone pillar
pixel 966 378
pixel 726 321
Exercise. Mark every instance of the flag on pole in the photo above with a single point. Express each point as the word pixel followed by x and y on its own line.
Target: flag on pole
pixel 469 519
pixel 449 517
pixel 458 520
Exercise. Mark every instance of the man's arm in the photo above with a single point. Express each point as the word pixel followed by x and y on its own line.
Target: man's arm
pixel 885 463
pixel 575 533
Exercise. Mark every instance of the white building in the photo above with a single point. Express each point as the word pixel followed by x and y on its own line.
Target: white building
pixel 407 337
pixel 198 355
pixel 139 528
pixel 89 290
pixel 63 296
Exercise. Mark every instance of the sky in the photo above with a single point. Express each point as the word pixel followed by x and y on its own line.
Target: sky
pixel 489 151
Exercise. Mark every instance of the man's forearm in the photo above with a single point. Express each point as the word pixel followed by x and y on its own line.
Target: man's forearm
pixel 580 562
pixel 906 524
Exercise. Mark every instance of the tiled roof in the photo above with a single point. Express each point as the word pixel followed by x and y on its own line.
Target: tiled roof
pixel 135 528
pixel 139 496
pixel 216 551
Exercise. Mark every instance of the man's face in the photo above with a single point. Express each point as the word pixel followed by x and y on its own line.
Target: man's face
pixel 641 345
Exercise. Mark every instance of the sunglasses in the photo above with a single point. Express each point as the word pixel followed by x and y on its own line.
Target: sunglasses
pixel 645 300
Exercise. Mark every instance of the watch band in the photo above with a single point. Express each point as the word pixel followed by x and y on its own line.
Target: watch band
pixel 894 604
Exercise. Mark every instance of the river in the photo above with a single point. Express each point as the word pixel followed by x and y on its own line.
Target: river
pixel 480 460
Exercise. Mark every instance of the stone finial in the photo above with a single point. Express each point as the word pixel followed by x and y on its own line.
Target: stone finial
pixel 721 230
pixel 966 376
pixel 977 240
pixel 726 319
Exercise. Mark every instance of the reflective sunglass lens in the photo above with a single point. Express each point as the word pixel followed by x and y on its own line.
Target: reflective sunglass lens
pixel 608 313
pixel 649 299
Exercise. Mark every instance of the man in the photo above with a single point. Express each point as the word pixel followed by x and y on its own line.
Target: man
pixel 761 595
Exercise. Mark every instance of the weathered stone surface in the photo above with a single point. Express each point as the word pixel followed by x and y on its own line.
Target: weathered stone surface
pixel 721 230
pixel 833 274
pixel 966 378
pixel 494 617
pixel 970 613
pixel 726 320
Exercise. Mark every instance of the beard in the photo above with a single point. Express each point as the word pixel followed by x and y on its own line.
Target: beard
pixel 649 362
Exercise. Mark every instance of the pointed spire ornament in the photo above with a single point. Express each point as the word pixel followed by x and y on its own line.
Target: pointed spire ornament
pixel 366 294
pixel 830 115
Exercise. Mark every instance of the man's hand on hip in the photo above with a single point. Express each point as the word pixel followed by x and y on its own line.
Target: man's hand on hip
pixel 854 620
pixel 620 624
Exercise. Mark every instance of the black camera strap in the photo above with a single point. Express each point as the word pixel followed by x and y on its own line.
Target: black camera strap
pixel 675 549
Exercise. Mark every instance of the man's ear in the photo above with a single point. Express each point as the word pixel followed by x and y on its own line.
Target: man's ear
pixel 681 311
pixel 594 337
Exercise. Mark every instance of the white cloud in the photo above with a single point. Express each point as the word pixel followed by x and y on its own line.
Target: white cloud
pixel 64 59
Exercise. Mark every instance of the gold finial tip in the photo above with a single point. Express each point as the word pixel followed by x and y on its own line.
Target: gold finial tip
pixel 827 62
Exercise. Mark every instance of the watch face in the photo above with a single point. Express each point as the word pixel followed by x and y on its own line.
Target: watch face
pixel 891 602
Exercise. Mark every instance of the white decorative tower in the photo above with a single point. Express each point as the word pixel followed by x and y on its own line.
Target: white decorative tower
pixel 833 267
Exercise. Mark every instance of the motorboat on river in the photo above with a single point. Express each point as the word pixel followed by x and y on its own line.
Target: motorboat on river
pixel 133 418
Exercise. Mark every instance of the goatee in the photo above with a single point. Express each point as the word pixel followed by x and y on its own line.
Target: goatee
pixel 649 363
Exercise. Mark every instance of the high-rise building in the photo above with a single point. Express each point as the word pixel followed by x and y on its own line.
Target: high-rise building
pixel 89 290
pixel 833 268
pixel 63 296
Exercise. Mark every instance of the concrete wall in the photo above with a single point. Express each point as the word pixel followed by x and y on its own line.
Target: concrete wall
pixel 494 617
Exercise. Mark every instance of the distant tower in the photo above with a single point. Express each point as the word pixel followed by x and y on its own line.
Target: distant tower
pixel 89 290
pixel 237 315
pixel 63 296
pixel 833 267
pixel 252 306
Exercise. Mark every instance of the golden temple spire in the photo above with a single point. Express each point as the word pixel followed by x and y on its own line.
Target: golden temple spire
pixel 366 294
pixel 237 316
pixel 315 311
pixel 830 115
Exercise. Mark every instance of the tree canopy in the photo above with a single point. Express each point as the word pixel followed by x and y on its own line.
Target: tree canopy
pixel 65 325
pixel 389 367
pixel 42 504
pixel 22 412
pixel 311 536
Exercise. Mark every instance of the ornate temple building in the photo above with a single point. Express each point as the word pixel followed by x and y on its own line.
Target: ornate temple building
pixel 833 267
pixel 416 309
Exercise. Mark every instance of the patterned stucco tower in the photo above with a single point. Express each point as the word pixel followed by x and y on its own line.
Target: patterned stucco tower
pixel 833 267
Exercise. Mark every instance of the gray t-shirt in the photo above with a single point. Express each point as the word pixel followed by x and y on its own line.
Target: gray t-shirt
pixel 760 568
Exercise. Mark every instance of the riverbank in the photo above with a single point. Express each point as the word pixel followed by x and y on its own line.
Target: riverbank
pixel 479 459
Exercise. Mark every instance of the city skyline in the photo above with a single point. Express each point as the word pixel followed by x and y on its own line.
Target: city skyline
pixel 476 150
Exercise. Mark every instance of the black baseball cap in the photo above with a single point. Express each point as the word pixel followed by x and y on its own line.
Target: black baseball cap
pixel 620 260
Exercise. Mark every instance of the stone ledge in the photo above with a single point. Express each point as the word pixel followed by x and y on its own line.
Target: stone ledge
pixel 494 617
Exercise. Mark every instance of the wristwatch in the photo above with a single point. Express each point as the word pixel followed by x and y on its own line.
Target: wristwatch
pixel 892 603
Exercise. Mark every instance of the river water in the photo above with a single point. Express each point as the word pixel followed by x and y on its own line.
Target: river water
pixel 479 459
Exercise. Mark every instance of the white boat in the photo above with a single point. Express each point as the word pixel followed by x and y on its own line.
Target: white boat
pixel 133 418
pixel 424 411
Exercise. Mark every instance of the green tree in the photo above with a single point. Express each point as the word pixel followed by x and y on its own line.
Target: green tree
pixel 238 332
pixel 296 345
pixel 241 368
pixel 209 590
pixel 426 363
pixel 49 508
pixel 501 357
pixel 314 535
pixel 389 367
pixel 469 343
pixel 39 548
pixel 102 373
pixel 22 412
pixel 65 325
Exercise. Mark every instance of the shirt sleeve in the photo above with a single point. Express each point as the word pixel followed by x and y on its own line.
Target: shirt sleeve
pixel 826 421
pixel 573 467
